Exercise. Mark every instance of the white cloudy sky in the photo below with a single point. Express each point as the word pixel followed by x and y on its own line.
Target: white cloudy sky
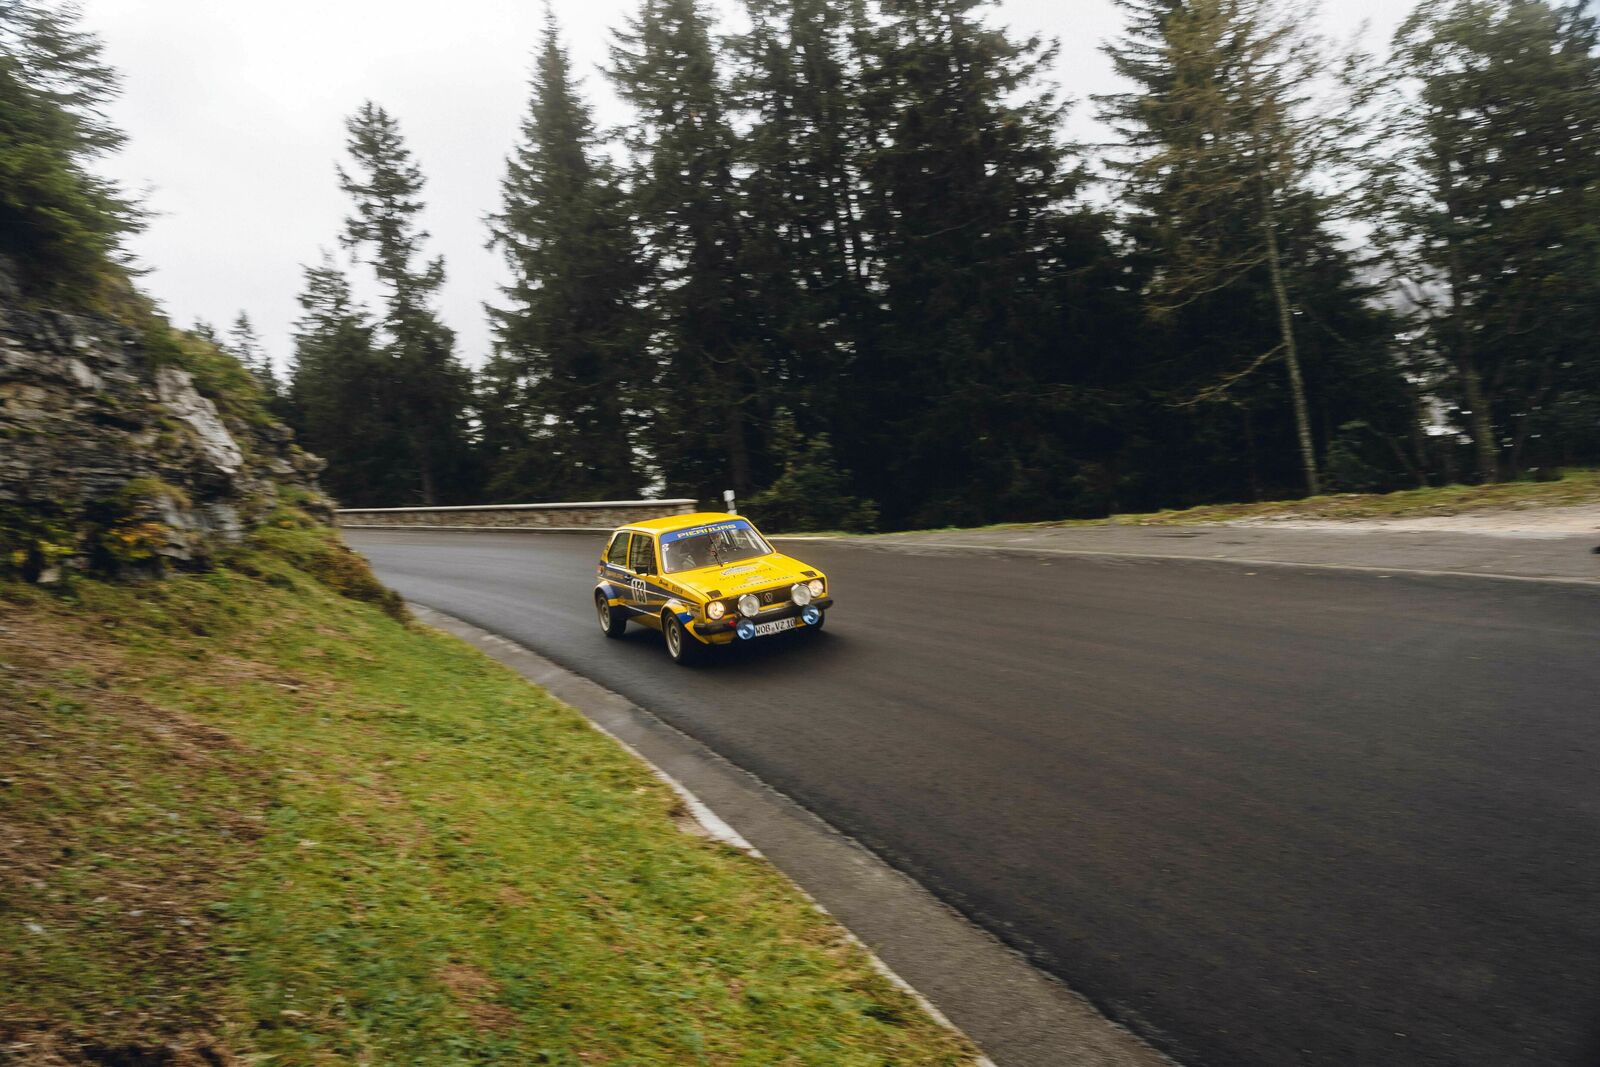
pixel 234 111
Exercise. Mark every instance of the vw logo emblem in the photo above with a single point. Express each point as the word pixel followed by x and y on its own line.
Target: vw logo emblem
pixel 767 597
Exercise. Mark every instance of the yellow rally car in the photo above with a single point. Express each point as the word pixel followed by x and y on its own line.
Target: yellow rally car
pixel 704 579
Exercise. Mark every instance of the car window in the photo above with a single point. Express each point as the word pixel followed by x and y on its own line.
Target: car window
pixel 618 552
pixel 685 555
pixel 642 557
pixel 704 546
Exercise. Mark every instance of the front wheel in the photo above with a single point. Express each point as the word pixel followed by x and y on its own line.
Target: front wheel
pixel 612 621
pixel 683 648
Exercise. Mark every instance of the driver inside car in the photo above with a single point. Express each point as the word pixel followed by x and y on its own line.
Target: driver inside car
pixel 683 557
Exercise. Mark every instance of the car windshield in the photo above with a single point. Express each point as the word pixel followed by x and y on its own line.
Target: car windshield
pixel 704 547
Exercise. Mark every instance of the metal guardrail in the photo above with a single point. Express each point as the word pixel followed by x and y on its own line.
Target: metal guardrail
pixel 551 517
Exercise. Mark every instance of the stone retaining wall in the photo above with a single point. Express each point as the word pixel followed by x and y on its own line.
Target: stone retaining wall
pixel 589 515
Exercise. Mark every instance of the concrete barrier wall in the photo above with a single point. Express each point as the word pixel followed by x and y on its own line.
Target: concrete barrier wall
pixel 586 515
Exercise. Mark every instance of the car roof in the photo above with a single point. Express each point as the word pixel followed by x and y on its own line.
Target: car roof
pixel 679 522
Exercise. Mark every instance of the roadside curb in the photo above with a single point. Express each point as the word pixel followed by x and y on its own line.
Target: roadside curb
pixel 961 975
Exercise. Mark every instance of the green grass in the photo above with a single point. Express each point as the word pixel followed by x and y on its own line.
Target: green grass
pixel 1574 488
pixel 245 814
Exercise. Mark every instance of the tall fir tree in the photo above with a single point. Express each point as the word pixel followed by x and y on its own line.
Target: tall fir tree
pixel 430 388
pixel 1219 151
pixel 61 221
pixel 965 178
pixel 1488 215
pixel 338 396
pixel 712 381
pixel 796 85
pixel 245 346
pixel 563 395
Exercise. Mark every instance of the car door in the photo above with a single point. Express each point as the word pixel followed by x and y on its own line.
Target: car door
pixel 616 566
pixel 642 564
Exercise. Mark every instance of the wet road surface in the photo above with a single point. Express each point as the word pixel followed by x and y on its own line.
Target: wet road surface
pixel 1262 818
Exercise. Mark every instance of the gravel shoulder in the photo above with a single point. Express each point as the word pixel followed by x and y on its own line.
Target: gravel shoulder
pixel 1555 544
pixel 1583 521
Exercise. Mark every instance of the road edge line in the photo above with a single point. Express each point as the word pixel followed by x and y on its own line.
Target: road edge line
pixel 1112 1046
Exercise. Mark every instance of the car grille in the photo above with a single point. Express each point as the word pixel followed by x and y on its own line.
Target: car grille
pixel 773 598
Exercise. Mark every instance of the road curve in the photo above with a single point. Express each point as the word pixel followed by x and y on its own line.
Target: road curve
pixel 1272 818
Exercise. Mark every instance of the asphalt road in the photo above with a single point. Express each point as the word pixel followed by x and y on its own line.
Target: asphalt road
pixel 1271 818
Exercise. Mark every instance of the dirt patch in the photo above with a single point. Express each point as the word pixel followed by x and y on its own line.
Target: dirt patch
pixel 475 991
pixel 685 821
pixel 513 897
pixel 237 669
pixel 110 812
pixel 46 1049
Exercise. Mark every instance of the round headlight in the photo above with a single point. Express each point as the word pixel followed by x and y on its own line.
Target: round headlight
pixel 749 605
pixel 801 594
pixel 816 587
pixel 716 609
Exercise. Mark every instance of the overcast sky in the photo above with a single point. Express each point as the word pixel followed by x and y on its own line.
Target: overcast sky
pixel 235 109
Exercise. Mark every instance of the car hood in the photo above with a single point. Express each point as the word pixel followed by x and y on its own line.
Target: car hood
pixel 731 579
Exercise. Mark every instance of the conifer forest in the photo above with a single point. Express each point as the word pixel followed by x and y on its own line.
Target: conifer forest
pixel 843 259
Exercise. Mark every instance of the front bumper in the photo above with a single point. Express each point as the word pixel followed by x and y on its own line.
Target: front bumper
pixel 725 625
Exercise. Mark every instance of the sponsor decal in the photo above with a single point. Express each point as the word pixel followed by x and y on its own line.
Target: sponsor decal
pixel 697 531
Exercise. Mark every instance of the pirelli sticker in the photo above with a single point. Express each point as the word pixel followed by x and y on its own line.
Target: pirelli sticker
pixel 700 531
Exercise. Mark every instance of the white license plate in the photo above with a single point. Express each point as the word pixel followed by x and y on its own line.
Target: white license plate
pixel 767 629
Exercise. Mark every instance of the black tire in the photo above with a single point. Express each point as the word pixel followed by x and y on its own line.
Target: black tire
pixel 612 621
pixel 681 645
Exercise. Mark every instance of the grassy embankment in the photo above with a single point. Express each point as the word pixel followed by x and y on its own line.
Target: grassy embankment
pixel 1575 488
pixel 247 817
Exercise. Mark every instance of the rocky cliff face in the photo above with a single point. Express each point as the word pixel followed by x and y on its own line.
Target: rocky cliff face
pixel 113 458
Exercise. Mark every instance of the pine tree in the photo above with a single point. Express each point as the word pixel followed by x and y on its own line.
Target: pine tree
pixel 797 84
pixel 339 394
pixel 811 492
pixel 1221 156
pixel 430 388
pixel 245 346
pixel 965 179
pixel 712 382
pixel 563 394
pixel 60 221
pixel 1488 216
pixel 1216 156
